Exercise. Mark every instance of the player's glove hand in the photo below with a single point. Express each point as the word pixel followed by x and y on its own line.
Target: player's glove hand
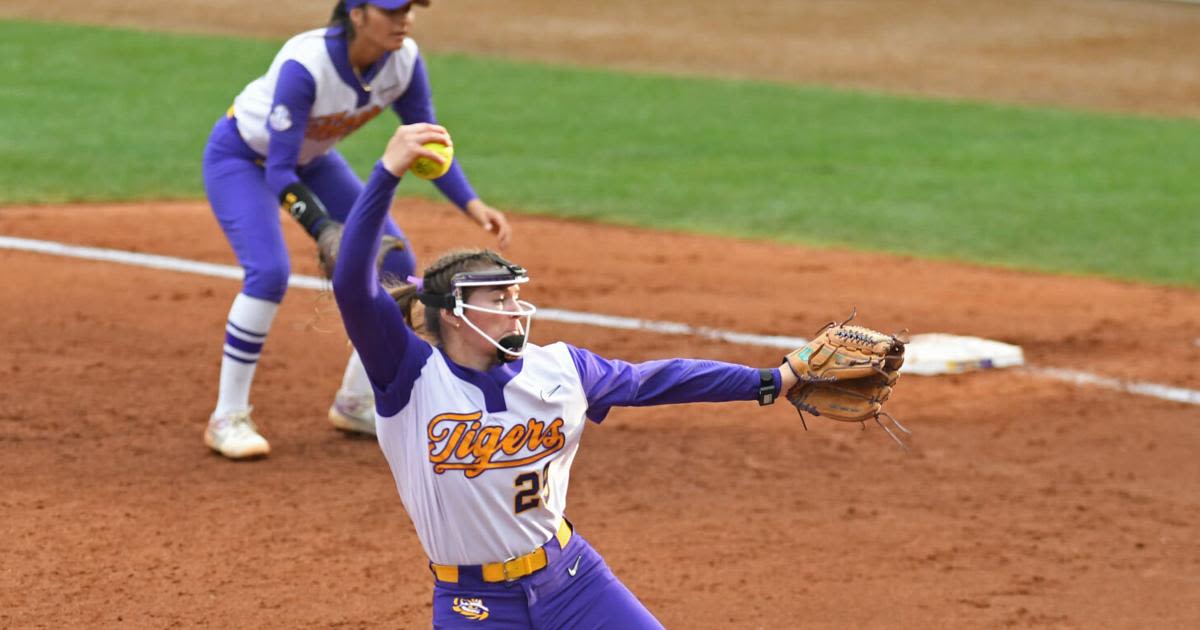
pixel 329 241
pixel 846 373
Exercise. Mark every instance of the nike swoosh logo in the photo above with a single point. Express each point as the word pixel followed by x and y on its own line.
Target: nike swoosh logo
pixel 574 568
pixel 546 398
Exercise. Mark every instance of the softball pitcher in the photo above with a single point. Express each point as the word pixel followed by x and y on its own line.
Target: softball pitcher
pixel 275 146
pixel 480 427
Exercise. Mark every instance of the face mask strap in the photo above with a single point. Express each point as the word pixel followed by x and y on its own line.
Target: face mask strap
pixel 510 275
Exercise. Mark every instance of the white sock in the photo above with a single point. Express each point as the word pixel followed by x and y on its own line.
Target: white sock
pixel 245 332
pixel 355 380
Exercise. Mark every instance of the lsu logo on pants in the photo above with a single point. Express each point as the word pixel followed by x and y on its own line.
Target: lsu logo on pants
pixel 471 608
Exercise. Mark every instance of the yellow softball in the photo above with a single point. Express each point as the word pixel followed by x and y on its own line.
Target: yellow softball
pixel 426 168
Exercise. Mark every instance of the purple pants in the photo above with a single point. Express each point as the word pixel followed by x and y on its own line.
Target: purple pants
pixel 249 212
pixel 576 591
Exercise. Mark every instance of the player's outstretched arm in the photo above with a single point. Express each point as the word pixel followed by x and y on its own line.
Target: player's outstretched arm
pixel 609 383
pixel 373 321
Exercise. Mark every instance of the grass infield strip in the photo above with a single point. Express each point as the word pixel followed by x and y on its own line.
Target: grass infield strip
pixel 107 114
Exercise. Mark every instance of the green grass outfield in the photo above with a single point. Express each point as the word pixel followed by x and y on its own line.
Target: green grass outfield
pixel 102 114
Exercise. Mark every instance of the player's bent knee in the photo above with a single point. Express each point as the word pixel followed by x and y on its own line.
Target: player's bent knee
pixel 267 283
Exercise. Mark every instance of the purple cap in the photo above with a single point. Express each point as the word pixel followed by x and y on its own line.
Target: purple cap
pixel 390 5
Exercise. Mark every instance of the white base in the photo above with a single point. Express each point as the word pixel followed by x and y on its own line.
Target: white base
pixel 939 353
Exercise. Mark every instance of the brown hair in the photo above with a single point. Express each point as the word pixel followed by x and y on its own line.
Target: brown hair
pixel 437 280
pixel 341 17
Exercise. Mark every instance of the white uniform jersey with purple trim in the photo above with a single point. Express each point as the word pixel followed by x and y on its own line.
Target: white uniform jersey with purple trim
pixel 482 459
pixel 508 470
pixel 336 112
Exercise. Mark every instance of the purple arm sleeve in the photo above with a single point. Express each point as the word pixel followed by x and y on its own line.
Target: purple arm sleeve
pixel 391 353
pixel 296 90
pixel 608 383
pixel 416 106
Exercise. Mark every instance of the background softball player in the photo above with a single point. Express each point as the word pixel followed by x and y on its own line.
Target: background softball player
pixel 276 145
pixel 481 429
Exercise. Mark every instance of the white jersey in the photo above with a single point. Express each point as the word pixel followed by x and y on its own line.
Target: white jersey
pixel 336 112
pixel 508 469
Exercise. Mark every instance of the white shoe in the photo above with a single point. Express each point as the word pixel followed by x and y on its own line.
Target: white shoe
pixel 234 435
pixel 353 412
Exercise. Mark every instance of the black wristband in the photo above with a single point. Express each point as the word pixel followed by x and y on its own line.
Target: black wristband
pixel 766 387
pixel 305 208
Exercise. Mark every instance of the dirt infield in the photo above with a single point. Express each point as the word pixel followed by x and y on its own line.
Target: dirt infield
pixel 1023 503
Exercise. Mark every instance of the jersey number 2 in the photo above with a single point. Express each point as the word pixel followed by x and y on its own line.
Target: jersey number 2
pixel 531 489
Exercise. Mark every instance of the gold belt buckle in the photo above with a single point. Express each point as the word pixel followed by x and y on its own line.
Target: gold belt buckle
pixel 504 570
pixel 522 566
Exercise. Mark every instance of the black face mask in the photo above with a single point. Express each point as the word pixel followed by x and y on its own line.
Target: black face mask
pixel 512 342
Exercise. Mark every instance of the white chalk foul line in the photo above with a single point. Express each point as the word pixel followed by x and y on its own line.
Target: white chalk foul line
pixel 153 261
pixel 184 265
pixel 170 263
pixel 1165 392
